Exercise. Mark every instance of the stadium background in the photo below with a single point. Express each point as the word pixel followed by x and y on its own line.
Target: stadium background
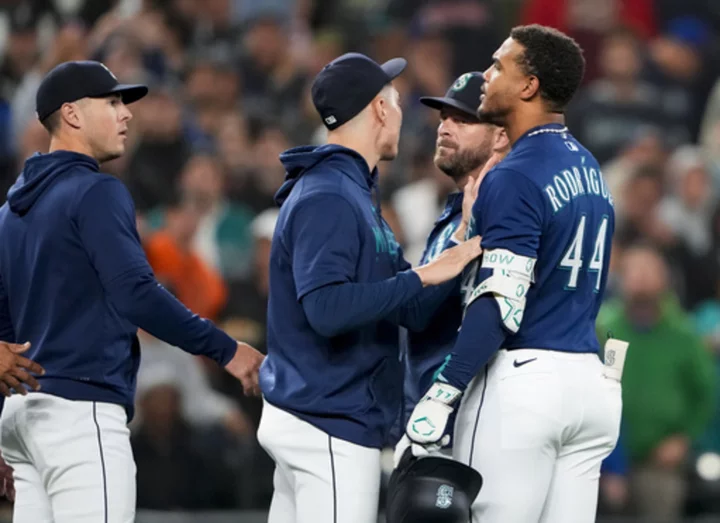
pixel 230 90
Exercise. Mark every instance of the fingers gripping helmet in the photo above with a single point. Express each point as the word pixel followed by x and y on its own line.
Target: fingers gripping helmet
pixel 431 490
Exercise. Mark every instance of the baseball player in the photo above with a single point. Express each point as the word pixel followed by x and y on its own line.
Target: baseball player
pixel 74 282
pixel 537 409
pixel 339 288
pixel 463 149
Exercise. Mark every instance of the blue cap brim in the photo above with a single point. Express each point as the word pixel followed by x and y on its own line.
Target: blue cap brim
pixel 394 67
pixel 129 92
pixel 436 102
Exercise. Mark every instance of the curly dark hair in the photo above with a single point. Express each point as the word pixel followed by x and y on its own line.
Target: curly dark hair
pixel 555 59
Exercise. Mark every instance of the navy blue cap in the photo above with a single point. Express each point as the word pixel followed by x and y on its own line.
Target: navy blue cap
pixel 71 81
pixel 464 94
pixel 345 86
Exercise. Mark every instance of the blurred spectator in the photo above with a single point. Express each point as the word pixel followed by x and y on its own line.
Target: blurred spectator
pixel 69 44
pixel 687 212
pixel 675 66
pixel 707 322
pixel 266 174
pixel 177 266
pixel 217 28
pixel 35 139
pixel 245 316
pixel 470 26
pixel 273 81
pixel 162 150
pixel 122 53
pixel 176 468
pixel 619 106
pixel 588 21
pixel 201 405
pixel 668 383
pixel 222 238
pixel 646 151
pixel 21 47
pixel 639 220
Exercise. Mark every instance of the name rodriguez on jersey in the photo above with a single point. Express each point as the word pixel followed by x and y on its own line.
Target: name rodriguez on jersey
pixel 573 182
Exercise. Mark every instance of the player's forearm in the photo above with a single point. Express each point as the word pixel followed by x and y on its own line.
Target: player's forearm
pixel 145 303
pixel 336 309
pixel 417 314
pixel 481 335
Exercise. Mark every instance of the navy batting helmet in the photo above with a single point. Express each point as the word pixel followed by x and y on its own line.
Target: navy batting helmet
pixel 431 490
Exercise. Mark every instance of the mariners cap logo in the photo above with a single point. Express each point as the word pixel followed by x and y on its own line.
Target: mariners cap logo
pixel 461 82
pixel 444 497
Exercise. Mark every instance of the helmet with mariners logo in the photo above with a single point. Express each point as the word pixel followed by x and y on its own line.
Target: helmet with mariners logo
pixel 431 490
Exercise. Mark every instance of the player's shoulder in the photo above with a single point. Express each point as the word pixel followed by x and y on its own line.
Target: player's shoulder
pixel 94 185
pixel 100 181
pixel 509 177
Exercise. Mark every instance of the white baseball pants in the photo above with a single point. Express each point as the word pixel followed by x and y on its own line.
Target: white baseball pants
pixel 318 478
pixel 72 459
pixel 537 425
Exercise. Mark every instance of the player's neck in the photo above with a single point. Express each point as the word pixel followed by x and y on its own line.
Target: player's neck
pixel 360 146
pixel 463 180
pixel 67 143
pixel 519 124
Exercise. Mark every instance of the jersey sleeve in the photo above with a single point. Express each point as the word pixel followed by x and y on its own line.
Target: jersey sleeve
pixel 509 210
pixel 324 243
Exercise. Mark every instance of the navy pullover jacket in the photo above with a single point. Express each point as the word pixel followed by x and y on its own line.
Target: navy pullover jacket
pixel 339 288
pixel 75 282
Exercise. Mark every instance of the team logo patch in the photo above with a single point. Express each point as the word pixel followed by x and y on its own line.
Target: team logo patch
pixel 461 82
pixel 444 496
pixel 610 358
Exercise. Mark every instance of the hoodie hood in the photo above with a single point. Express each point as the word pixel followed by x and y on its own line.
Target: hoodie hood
pixel 40 172
pixel 299 160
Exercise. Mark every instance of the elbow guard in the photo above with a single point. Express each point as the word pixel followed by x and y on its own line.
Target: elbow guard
pixel 509 283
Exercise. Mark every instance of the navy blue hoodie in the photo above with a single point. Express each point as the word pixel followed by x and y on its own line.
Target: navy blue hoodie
pixel 339 288
pixel 75 282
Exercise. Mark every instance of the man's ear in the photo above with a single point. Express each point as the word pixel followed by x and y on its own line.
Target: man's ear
pixel 70 113
pixel 502 142
pixel 531 88
pixel 379 108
